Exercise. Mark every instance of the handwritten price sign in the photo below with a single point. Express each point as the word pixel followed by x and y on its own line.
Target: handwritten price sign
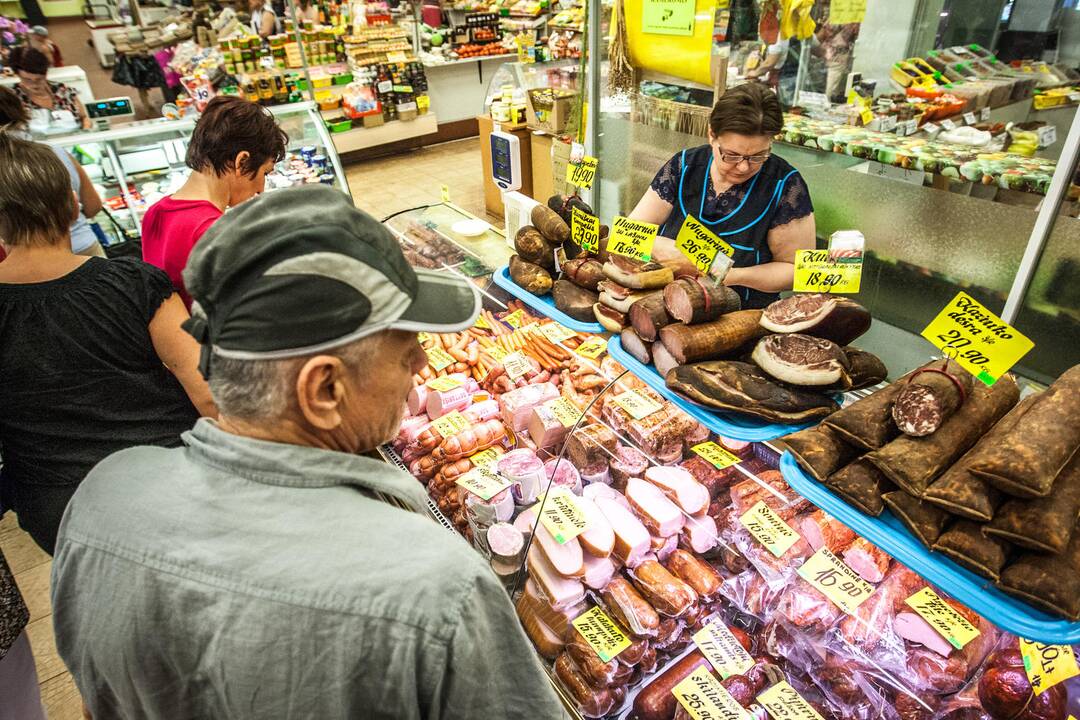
pixel 704 698
pixel 1047 665
pixel 583 174
pixel 784 702
pixel 950 624
pixel 835 580
pixel 722 649
pixel 769 529
pixel 816 272
pixel 984 344
pixel 562 517
pixel 439 359
pixel 602 633
pixel 483 482
pixel 585 230
pixel 632 239
pixel 700 245
pixel 718 456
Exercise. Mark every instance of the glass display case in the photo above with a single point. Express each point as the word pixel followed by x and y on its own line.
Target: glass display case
pixel 135 165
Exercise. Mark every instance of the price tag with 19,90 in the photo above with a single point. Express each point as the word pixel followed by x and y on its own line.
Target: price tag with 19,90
pixel 784 702
pixel 585 230
pixel 718 456
pixel 700 245
pixel 451 423
pixel 704 698
pixel 948 623
pixel 637 404
pixel 516 365
pixel 556 333
pixel 769 529
pixel 1047 665
pixel 483 482
pixel 722 649
pixel 984 344
pixel 602 633
pixel 439 359
pixel 632 238
pixel 592 348
pixel 582 174
pixel 562 517
pixel 835 580
pixel 816 272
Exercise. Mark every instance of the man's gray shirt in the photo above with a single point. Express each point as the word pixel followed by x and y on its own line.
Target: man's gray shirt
pixel 237 578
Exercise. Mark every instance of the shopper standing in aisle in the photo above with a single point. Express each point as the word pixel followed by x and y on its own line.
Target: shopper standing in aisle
pixel 20 697
pixel 270 569
pixel 13 119
pixel 234 145
pixel 264 21
pixel 91 351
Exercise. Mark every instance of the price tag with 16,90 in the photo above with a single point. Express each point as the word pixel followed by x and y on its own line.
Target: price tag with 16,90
pixel 835 580
pixel 700 245
pixel 718 456
pixel 582 174
pixel 704 698
pixel 984 344
pixel 585 230
pixel 632 238
pixel 816 272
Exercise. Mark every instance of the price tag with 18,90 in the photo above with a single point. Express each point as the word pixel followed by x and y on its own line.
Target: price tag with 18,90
pixel 632 238
pixel 582 174
pixel 700 245
pixel 816 272
pixel 835 580
pixel 704 698
pixel 602 633
pixel 585 230
pixel 718 456
pixel 984 344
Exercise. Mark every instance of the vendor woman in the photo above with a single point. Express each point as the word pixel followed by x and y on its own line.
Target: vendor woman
pixel 753 200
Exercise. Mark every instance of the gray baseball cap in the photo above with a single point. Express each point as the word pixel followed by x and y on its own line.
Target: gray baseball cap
pixel 300 271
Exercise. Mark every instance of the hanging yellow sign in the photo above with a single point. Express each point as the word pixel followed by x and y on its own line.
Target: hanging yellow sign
pixel 700 245
pixel 843 12
pixel 632 238
pixel 816 272
pixel 668 17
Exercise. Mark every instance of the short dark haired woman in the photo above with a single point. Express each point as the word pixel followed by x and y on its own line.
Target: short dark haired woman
pixel 35 90
pixel 235 144
pixel 753 200
pixel 92 355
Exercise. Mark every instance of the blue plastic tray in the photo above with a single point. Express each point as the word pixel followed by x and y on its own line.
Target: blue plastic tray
pixel 729 425
pixel 543 305
pixel 889 534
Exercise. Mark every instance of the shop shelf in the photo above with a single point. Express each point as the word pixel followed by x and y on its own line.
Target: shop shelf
pixel 889 534
pixel 728 425
pixel 544 305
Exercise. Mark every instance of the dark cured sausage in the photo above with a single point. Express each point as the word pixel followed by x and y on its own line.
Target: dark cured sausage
pixel 655 701
pixel 592 703
pixel 697 300
pixel 929 397
pixel 1050 582
pixel 867 423
pixel 690 343
pixel 819 450
pixel 1044 524
pixel 648 315
pixel 966 545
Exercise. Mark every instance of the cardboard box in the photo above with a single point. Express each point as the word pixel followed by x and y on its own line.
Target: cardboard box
pixel 549 109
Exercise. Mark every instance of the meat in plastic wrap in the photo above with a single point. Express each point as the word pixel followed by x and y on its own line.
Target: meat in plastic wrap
pixel 769 487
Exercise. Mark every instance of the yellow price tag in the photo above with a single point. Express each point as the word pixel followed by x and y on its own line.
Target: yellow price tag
pixel 592 348
pixel 482 323
pixel 483 483
pixel 704 698
pixel 835 580
pixel 516 365
pixel 397 56
pixel 445 384
pixel 815 272
pixel 497 353
pixel 514 319
pixel 632 238
pixel 582 175
pixel 700 245
pixel 639 406
pixel 562 517
pixel 585 230
pixel 722 649
pixel 602 633
pixel 984 344
pixel 784 702
pixel 565 411
pixel 439 359
pixel 1047 665
pixel 423 102
pixel 950 624
pixel 867 116
pixel 445 191
pixel 450 423
pixel 844 12
pixel 422 337
pixel 556 333
pixel 718 456
pixel 485 458
pixel 769 529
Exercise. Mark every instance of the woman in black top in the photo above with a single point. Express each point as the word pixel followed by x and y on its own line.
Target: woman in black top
pixel 92 357
pixel 734 186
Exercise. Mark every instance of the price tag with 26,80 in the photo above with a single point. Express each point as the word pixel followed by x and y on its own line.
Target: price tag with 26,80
pixel 583 173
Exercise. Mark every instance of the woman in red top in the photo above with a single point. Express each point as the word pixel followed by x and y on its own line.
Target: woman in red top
pixel 234 145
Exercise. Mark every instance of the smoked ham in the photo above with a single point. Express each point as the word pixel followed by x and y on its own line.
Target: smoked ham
pixel 694 300
pixel 820 529
pixel 566 558
pixel 725 335
pixel 802 359
pixel 660 515
pixel 647 316
pixel 631 536
pixel 598 538
pixel 832 317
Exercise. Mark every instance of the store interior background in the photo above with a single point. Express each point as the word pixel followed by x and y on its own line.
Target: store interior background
pixel 930 241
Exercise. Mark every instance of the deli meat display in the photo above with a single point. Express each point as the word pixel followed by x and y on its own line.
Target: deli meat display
pixel 901 550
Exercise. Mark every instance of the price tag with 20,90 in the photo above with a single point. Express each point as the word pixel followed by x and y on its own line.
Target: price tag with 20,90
pixel 981 342
pixel 700 245
pixel 718 456
pixel 632 238
pixel 835 580
pixel 704 698
pixel 816 272
pixel 585 230
pixel 582 174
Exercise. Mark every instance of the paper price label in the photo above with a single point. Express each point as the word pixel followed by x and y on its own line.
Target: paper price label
pixel 565 411
pixel 632 239
pixel 515 319
pixel 423 102
pixel 835 580
pixel 592 348
pixel 482 323
pixel 485 458
pixel 482 482
pixel 984 114
pixel 970 118
pixel 585 230
pixel 444 190
pixel 948 124
pixel 984 344
pixel 422 337
pixel 639 406
pixel 704 698
pixel 450 423
pixel 700 245
pixel 718 456
pixel 439 359
pixel 445 384
pixel 582 175
pixel 562 517
pixel 556 333
pixel 950 624
pixel 930 128
pixel 769 529
pixel 516 365
pixel 602 633
pixel 722 649
pixel 784 702
pixel 815 272
pixel 397 56
pixel 867 116
pixel 1047 665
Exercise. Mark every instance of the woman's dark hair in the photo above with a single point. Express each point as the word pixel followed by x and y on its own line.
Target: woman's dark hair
pixel 29 60
pixel 12 111
pixel 230 125
pixel 36 202
pixel 750 109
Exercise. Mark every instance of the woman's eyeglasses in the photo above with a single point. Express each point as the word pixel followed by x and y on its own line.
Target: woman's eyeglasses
pixel 736 159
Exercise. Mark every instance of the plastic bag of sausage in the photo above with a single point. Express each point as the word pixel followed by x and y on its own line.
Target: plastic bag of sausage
pixel 749 593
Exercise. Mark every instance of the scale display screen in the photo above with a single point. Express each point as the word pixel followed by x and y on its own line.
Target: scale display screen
pixel 112 107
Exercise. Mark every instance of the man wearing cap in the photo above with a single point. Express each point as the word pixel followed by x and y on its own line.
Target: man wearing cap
pixel 38 38
pixel 268 569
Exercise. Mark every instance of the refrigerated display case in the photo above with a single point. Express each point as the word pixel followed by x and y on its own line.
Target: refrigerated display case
pixel 139 163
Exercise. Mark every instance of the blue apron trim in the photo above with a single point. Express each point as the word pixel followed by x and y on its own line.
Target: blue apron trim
pixel 774 200
pixel 705 187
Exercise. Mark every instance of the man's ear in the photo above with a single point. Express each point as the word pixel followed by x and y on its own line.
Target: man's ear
pixel 320 391
pixel 240 162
